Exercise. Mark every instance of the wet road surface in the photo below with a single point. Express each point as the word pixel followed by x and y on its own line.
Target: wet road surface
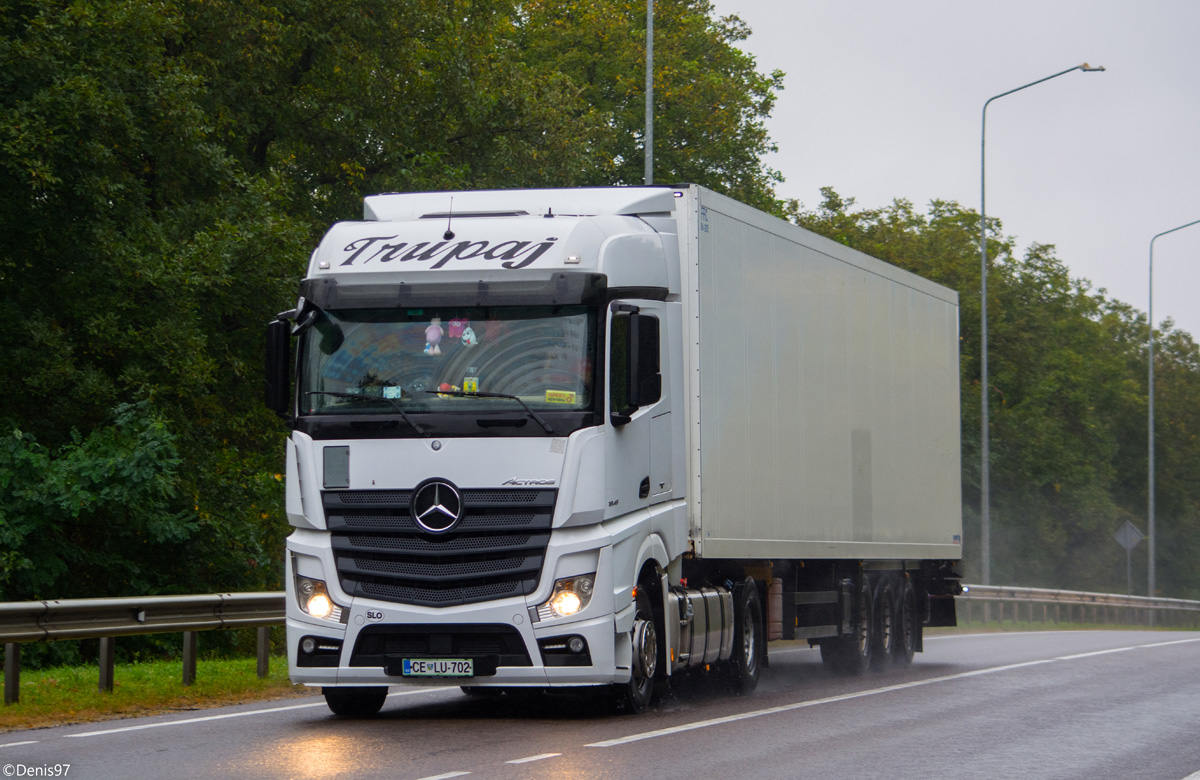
pixel 1096 704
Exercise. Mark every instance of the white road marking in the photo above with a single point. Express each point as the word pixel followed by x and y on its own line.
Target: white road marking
pixel 1175 642
pixel 14 744
pixel 532 758
pixel 446 776
pixel 196 720
pixel 1093 654
pixel 861 694
pixel 235 715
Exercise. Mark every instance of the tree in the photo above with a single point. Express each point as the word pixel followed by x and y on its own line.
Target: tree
pixel 165 169
pixel 710 102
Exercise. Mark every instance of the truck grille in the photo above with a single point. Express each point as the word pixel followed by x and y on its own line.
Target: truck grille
pixel 495 551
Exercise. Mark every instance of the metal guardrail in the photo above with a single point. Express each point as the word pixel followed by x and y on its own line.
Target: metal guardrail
pixel 106 619
pixel 1068 606
pixel 34 621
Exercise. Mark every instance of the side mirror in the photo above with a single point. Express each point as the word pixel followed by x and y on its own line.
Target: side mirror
pixel 278 381
pixel 636 378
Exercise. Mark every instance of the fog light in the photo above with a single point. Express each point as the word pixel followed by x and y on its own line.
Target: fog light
pixel 576 644
pixel 308 645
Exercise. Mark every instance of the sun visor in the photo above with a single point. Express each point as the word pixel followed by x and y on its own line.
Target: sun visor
pixel 560 289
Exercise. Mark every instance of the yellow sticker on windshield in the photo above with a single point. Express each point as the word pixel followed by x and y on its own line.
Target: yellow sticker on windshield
pixel 560 397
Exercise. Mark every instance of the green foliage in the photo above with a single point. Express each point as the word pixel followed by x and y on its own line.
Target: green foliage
pixel 1067 402
pixel 103 513
pixel 709 100
pixel 165 169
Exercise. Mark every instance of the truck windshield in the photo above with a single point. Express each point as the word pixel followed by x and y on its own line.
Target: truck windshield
pixel 543 355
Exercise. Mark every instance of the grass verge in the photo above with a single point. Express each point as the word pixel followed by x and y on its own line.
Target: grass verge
pixel 56 697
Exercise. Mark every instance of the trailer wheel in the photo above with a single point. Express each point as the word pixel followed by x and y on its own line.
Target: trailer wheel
pixel 910 625
pixel 634 696
pixel 887 626
pixel 851 654
pixel 355 702
pixel 745 666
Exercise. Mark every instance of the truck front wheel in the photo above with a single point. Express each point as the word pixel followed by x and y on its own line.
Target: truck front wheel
pixel 634 696
pixel 355 702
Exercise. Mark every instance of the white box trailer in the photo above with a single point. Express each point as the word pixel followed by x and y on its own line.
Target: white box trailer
pixel 823 395
pixel 605 437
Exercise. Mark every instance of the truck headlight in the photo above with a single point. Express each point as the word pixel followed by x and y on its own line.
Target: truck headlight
pixel 314 599
pixel 571 595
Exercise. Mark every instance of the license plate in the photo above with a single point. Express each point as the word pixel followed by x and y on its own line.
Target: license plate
pixel 438 667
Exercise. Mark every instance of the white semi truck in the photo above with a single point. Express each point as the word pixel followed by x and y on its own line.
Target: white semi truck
pixel 604 437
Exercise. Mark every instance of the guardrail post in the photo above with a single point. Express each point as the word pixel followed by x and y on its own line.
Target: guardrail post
pixel 12 672
pixel 107 646
pixel 264 652
pixel 189 657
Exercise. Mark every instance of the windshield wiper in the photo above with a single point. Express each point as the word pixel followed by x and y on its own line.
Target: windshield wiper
pixel 372 398
pixel 462 394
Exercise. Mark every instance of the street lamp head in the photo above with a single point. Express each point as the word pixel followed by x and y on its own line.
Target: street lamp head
pixel 1088 68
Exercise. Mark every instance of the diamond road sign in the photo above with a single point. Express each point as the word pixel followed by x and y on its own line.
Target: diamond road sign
pixel 1128 535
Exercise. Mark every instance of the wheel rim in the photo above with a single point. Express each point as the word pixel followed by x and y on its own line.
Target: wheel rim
pixel 749 643
pixel 645 651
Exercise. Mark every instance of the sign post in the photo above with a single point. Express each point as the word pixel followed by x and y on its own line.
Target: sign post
pixel 1128 537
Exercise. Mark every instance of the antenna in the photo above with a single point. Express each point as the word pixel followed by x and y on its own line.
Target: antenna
pixel 449 234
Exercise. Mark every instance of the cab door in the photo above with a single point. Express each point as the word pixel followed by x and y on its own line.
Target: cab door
pixel 638 463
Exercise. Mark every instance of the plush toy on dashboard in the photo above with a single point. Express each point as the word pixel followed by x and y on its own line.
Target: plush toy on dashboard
pixel 468 337
pixel 433 337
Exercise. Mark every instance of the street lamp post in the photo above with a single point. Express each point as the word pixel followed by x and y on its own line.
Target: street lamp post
pixel 985 498
pixel 649 150
pixel 1150 353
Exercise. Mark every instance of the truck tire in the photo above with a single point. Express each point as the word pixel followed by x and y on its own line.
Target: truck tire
pixel 355 702
pixel 635 695
pixel 851 654
pixel 887 626
pixel 480 692
pixel 744 667
pixel 910 625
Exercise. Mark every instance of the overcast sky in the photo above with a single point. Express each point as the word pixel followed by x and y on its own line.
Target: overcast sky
pixel 883 99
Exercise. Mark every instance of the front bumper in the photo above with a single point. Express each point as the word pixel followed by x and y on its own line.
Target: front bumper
pixel 508 648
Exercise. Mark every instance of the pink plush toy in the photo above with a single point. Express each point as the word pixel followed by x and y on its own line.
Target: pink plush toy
pixel 433 337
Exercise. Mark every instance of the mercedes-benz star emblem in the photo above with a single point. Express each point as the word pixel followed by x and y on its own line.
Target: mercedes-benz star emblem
pixel 437 506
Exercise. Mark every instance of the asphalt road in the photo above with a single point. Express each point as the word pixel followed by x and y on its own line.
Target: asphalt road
pixel 1104 704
